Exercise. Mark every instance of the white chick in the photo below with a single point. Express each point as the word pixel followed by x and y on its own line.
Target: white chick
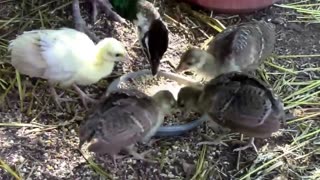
pixel 66 57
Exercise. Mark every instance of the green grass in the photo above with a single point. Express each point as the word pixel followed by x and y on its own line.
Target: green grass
pixel 96 167
pixel 7 168
pixel 307 10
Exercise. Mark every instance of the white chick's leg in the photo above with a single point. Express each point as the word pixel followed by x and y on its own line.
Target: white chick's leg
pixel 57 98
pixel 84 97
pixel 139 156
pixel 250 144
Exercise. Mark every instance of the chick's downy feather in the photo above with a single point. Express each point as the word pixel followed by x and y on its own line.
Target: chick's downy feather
pixel 122 119
pixel 239 48
pixel 243 104
pixel 246 45
pixel 50 54
pixel 63 56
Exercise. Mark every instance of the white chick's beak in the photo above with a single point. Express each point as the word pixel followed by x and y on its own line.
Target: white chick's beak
pixel 125 58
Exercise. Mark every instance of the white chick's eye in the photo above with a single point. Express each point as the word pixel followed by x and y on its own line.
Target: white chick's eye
pixel 118 55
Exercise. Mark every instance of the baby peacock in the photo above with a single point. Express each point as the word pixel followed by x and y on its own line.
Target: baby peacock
pixel 152 32
pixel 123 118
pixel 239 48
pixel 66 57
pixel 236 101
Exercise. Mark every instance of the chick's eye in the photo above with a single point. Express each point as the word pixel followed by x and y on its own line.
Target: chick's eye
pixel 189 63
pixel 118 55
pixel 180 104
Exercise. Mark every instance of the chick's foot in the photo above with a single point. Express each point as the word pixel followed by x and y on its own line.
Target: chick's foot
pixel 57 98
pixel 84 97
pixel 140 156
pixel 249 145
pixel 213 141
pixel 115 158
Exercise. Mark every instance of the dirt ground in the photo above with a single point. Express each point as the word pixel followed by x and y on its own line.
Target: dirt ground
pixel 44 151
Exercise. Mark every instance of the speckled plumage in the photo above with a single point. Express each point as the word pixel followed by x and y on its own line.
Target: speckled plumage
pixel 241 47
pixel 123 118
pixel 243 104
pixel 236 101
pixel 247 44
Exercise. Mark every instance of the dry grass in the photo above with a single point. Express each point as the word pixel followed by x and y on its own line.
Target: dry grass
pixel 295 157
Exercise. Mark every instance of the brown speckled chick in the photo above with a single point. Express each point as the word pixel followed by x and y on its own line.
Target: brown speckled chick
pixel 241 47
pixel 123 118
pixel 237 101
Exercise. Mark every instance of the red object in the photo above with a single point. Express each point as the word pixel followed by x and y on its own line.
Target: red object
pixel 234 6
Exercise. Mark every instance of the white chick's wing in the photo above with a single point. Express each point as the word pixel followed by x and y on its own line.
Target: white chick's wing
pixel 66 51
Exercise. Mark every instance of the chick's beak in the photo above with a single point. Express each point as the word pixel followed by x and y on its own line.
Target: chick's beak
pixel 181 67
pixel 124 58
pixel 80 144
pixel 154 66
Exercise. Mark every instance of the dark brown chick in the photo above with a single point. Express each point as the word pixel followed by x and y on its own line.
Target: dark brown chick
pixel 237 101
pixel 241 47
pixel 123 118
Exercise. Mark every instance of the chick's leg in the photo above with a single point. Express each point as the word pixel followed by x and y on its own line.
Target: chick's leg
pixel 80 24
pixel 84 97
pixel 250 144
pixel 57 98
pixel 221 133
pixel 140 156
pixel 115 158
pixel 107 8
pixel 213 141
